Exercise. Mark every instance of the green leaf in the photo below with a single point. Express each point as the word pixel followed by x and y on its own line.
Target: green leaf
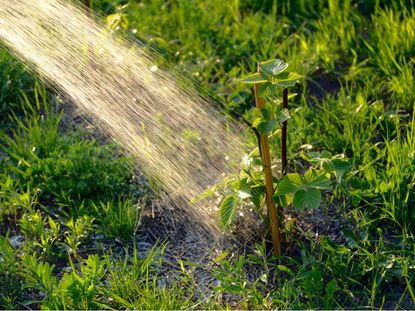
pixel 273 66
pixel 292 95
pixel 283 115
pixel 280 200
pixel 319 182
pixel 257 195
pixel 327 165
pixel 286 270
pixel 266 89
pixel 266 127
pixel 341 166
pixel 290 184
pixel 255 78
pixel 287 79
pixel 227 210
pixel 257 122
pixel 204 195
pixel 266 113
pixel 307 199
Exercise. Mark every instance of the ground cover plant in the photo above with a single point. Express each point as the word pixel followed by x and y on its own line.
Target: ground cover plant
pixel 70 209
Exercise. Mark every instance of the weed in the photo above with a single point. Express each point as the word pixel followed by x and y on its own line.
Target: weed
pixel 77 231
pixel 134 283
pixel 118 219
pixel 43 238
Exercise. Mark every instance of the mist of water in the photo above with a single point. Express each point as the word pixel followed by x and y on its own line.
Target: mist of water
pixel 177 137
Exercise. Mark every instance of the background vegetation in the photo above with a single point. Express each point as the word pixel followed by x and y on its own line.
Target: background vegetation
pixel 68 201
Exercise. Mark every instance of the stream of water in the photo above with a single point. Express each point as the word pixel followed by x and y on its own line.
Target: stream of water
pixel 178 137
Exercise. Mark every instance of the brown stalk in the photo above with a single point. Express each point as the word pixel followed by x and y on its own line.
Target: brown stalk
pixel 284 134
pixel 266 161
pixel 87 4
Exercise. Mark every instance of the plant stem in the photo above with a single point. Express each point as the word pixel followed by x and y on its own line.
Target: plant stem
pixel 88 7
pixel 284 134
pixel 266 162
pixel 87 4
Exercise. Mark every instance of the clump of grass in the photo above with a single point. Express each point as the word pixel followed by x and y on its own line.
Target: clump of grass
pixel 62 167
pixel 118 219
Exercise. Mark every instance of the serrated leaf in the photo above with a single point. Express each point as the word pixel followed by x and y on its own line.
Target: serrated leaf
pixel 290 184
pixel 310 175
pixel 266 113
pixel 283 115
pixel 327 165
pixel 273 66
pixel 280 200
pixel 326 154
pixel 341 165
pixel 227 210
pixel 255 78
pixel 309 198
pixel 287 79
pixel 266 127
pixel 266 89
pixel 257 194
pixel 319 182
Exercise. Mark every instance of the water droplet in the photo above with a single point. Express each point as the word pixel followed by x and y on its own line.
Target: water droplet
pixel 153 68
pixel 134 31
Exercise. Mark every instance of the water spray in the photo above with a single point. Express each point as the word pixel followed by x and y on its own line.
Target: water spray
pixel 178 138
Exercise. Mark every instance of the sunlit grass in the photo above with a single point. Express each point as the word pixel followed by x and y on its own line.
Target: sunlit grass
pixel 358 100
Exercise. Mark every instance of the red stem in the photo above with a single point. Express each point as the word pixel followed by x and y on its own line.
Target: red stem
pixel 284 134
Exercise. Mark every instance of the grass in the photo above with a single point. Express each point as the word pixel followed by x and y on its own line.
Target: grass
pixel 59 188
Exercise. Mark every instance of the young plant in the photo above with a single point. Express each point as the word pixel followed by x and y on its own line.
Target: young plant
pixel 270 119
pixel 271 75
pixel 77 231
pixel 118 219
